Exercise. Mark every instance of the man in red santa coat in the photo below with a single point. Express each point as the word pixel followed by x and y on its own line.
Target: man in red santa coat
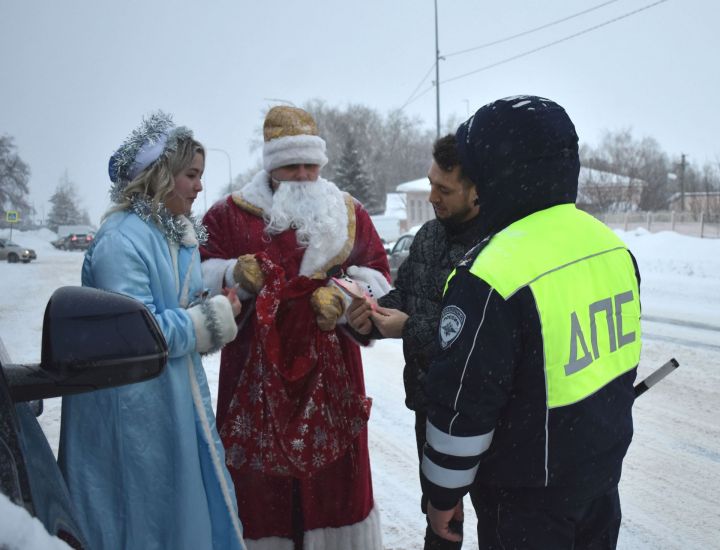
pixel 292 409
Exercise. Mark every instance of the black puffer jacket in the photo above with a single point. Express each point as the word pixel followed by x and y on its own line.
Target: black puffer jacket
pixel 418 292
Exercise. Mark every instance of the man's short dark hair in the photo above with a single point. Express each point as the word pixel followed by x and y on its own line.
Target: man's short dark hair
pixel 446 156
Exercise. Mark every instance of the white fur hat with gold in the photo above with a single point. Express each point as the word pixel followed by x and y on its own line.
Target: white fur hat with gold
pixel 291 137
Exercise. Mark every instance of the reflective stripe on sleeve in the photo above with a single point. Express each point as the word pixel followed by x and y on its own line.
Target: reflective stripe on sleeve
pixel 457 445
pixel 449 479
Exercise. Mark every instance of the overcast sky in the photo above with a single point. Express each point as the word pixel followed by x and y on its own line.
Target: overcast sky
pixel 77 76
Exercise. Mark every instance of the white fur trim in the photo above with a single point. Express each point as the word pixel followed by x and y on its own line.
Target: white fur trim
pixel 218 461
pixel 218 273
pixel 224 321
pixel 320 251
pixel 189 237
pixel 370 279
pixel 213 274
pixel 286 150
pixel 230 281
pixel 225 318
pixel 364 535
pixel 203 341
pixel 257 191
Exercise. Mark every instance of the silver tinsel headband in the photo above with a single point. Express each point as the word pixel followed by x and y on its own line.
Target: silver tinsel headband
pixel 155 137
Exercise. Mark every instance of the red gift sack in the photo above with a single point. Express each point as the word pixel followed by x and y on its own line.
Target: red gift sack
pixel 294 409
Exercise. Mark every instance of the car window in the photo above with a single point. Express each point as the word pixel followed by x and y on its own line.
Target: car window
pixel 407 241
pixel 402 244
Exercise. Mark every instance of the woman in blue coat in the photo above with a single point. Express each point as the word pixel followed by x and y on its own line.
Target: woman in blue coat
pixel 143 462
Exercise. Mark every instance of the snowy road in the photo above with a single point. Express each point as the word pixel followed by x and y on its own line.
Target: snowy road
pixel 686 333
pixel 671 480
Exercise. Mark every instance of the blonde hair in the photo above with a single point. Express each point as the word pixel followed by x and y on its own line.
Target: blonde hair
pixel 157 181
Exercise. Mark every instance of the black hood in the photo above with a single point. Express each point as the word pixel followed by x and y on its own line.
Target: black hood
pixel 522 155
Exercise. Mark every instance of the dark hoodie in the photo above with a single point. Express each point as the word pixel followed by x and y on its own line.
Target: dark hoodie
pixel 522 154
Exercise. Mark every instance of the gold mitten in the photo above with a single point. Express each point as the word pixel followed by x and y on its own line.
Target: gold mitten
pixel 247 274
pixel 329 304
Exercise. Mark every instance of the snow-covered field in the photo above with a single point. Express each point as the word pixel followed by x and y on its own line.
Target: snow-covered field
pixel 671 482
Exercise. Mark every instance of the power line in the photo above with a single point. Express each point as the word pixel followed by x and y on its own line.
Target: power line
pixel 585 31
pixel 530 31
pixel 410 99
pixel 413 100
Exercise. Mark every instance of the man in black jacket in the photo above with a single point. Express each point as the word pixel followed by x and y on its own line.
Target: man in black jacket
pixel 412 309
pixel 532 393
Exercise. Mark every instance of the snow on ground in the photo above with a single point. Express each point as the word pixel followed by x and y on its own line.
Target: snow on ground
pixel 671 479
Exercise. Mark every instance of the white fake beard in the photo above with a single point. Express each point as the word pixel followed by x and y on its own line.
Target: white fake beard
pixel 315 209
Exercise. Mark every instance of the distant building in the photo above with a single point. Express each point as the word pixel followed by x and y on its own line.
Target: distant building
pixel 600 191
pixel 392 223
pixel 419 209
pixel 695 202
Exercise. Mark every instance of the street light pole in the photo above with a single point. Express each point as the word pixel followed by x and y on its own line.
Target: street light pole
pixel 227 155
pixel 437 73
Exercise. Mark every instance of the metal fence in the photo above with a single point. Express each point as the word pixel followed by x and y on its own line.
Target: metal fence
pixel 687 223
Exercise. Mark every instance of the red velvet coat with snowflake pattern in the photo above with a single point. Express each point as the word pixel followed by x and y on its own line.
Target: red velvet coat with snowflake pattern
pixel 235 228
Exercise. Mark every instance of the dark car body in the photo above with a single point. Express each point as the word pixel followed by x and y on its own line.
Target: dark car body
pixel 91 340
pixel 74 241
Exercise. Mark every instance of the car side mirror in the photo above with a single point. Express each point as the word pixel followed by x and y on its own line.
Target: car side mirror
pixel 92 339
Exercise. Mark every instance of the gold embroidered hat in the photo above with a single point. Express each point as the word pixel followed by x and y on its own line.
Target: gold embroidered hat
pixel 291 137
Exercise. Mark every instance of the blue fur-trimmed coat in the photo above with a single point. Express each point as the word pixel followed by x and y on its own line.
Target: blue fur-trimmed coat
pixel 143 462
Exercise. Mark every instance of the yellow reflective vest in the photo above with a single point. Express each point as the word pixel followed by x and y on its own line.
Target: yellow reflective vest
pixel 586 294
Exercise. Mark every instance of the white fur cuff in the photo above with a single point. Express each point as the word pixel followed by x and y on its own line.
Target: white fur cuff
pixel 230 282
pixel 218 273
pixel 214 274
pixel 303 149
pixel 214 324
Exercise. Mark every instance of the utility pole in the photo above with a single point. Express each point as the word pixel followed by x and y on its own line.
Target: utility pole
pixel 682 182
pixel 437 73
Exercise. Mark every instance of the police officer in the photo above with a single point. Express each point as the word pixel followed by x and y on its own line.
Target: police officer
pixel 540 339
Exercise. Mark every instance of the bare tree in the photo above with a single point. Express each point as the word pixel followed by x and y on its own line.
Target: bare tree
pixel 395 148
pixel 620 153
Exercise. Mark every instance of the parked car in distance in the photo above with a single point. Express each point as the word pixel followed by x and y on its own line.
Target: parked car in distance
pixel 74 241
pixel 91 339
pixel 13 252
pixel 399 253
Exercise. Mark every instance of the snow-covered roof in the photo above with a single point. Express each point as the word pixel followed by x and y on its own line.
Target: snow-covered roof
pixel 395 206
pixel 591 176
pixel 421 185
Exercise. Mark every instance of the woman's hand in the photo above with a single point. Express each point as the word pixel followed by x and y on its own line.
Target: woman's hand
pixel 231 295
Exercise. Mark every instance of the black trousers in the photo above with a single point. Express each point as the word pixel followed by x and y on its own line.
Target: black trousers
pixel 513 523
